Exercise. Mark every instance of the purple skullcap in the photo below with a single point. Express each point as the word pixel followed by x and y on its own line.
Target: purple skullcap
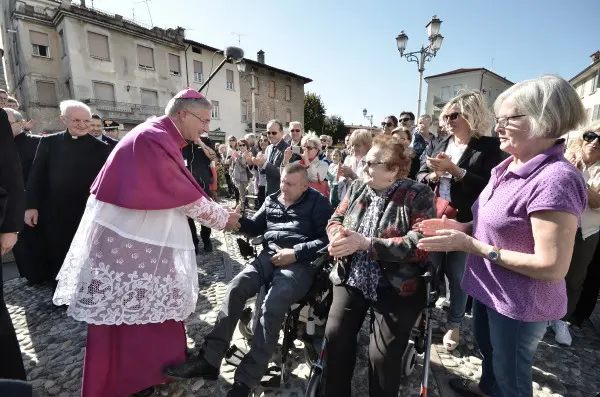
pixel 189 93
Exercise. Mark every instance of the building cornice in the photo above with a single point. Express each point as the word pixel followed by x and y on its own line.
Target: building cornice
pixel 585 73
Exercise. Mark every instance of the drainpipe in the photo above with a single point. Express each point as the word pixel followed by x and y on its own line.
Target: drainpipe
pixel 481 83
pixel 187 76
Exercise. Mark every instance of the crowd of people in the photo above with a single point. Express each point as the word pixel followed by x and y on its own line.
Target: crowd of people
pixel 505 206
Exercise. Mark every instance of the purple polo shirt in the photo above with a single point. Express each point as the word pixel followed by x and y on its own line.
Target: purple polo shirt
pixel 501 218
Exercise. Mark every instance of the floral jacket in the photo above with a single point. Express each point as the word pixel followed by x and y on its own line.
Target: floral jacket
pixel 395 245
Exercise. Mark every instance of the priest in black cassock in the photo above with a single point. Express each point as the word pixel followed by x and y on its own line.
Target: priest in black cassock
pixel 27 256
pixel 12 206
pixel 59 184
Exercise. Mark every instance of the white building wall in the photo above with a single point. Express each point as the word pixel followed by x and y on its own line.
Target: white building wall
pixel 229 119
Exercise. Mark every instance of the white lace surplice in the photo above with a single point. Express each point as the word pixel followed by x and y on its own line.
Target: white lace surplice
pixel 133 266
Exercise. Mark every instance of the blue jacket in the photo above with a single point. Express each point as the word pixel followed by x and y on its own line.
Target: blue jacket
pixel 301 226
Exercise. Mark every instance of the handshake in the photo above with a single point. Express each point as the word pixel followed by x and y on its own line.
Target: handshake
pixel 233 222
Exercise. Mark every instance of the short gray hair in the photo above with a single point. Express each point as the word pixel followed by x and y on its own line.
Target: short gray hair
pixel 550 102
pixel 18 116
pixel 250 136
pixel 312 138
pixel 296 168
pixel 295 123
pixel 69 104
pixel 176 105
pixel 275 121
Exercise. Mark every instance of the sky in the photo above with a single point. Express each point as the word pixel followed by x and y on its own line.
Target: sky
pixel 348 48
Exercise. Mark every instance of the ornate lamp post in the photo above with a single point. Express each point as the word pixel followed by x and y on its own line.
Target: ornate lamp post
pixel 425 53
pixel 370 118
pixel 241 66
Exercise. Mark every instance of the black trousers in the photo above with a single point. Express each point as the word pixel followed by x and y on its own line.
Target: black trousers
pixel 11 362
pixel 394 317
pixel 204 232
pixel 589 294
pixel 262 194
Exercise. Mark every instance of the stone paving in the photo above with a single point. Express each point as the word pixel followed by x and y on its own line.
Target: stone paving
pixel 53 345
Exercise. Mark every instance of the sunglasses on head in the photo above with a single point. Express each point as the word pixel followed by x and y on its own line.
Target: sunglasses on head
pixel 295 130
pixel 273 133
pixel 590 136
pixel 384 124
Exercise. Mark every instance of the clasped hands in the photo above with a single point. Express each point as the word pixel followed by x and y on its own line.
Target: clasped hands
pixel 347 242
pixel 444 235
pixel 233 222
pixel 441 164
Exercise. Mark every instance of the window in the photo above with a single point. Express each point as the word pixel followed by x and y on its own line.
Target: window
pixel 196 50
pixel 457 89
pixel 229 79
pixel 594 84
pixel 256 86
pixel 63 48
pixel 596 115
pixel 271 89
pixel 215 110
pixel 288 116
pixel 580 89
pixel 288 93
pixel 98 46
pixel 104 92
pixel 40 44
pixel 446 93
pixel 244 112
pixel 198 71
pixel 46 93
pixel 149 98
pixel 145 57
pixel 174 65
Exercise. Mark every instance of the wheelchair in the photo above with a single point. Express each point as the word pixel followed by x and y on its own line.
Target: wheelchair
pixel 301 320
pixel 419 341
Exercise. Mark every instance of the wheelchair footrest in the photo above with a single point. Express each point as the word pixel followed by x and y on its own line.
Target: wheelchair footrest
pixel 272 379
pixel 234 355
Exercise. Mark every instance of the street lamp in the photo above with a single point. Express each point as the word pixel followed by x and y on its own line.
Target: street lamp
pixel 425 54
pixel 370 118
pixel 241 66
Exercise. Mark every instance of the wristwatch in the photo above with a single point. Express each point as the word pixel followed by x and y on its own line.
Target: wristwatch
pixel 494 254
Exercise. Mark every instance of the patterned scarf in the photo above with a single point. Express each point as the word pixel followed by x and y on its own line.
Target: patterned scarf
pixel 365 272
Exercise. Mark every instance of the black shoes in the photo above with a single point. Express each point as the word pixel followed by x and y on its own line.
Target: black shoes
pixel 238 390
pixel 194 367
pixel 208 247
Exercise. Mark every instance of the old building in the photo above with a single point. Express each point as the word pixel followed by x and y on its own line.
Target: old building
pixel 279 94
pixel 56 50
pixel 587 85
pixel 444 86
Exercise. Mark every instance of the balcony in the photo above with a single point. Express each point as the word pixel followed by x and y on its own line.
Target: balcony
pixel 123 111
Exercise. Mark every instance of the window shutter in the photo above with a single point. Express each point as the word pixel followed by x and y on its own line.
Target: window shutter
pixel 104 92
pixel 46 93
pixel 197 67
pixel 145 56
pixel 596 112
pixel 98 45
pixel 149 98
pixel 39 38
pixel 174 65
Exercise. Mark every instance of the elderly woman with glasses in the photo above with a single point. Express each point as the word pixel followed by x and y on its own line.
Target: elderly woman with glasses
pixel 378 265
pixel 309 157
pixel 520 241
pixel 458 167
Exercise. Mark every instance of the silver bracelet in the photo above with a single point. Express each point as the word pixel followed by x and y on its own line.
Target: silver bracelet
pixel 463 172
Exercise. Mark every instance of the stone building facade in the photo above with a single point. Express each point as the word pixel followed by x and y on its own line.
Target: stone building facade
pixel 279 94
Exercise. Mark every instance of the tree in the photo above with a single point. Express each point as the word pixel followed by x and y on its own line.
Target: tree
pixel 335 127
pixel 314 113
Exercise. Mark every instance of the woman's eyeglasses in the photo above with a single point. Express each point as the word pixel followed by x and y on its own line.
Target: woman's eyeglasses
pixel 384 124
pixel 451 116
pixel 373 164
pixel 503 121
pixel 590 136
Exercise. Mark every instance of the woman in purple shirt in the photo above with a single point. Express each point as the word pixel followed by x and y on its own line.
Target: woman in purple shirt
pixel 520 241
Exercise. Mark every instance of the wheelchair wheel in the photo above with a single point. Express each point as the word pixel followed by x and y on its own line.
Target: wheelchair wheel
pixel 314 388
pixel 245 324
pixel 311 351
pixel 409 359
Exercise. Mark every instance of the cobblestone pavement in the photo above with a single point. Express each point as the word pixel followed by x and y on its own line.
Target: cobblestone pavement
pixel 53 345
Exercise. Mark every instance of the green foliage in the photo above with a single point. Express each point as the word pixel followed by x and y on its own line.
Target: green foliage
pixel 334 127
pixel 314 113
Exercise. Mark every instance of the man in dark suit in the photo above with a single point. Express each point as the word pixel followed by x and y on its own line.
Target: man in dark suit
pixel 97 131
pixel 198 159
pixel 12 209
pixel 270 163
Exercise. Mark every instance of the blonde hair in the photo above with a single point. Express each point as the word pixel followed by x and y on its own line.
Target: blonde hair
pixel 576 145
pixel 474 110
pixel 361 137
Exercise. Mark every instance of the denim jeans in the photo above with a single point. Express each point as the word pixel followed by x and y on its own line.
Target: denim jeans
pixel 507 347
pixel 453 264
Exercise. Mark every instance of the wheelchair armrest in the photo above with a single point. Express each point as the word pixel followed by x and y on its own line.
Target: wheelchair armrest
pixel 257 240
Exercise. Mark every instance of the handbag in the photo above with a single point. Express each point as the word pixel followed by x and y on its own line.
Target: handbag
pixel 443 206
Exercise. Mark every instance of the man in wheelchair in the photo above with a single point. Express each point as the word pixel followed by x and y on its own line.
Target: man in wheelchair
pixel 293 223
